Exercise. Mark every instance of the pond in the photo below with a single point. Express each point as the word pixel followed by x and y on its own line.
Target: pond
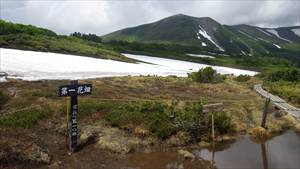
pixel 281 152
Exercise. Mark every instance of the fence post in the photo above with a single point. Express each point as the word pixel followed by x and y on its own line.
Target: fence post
pixel 265 112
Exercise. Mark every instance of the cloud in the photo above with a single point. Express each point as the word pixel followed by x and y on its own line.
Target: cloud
pixel 102 17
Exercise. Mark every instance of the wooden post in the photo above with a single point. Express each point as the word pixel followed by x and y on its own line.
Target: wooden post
pixel 213 138
pixel 212 127
pixel 68 118
pixel 73 117
pixel 264 156
pixel 73 90
pixel 265 112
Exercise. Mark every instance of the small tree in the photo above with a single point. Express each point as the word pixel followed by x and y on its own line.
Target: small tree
pixel 206 75
pixel 242 78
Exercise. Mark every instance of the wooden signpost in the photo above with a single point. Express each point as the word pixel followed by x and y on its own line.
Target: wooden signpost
pixel 73 90
pixel 265 113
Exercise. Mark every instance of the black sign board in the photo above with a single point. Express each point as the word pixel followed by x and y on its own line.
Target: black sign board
pixel 80 89
pixel 73 90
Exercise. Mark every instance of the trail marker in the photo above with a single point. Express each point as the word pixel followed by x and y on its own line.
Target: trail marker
pixel 73 90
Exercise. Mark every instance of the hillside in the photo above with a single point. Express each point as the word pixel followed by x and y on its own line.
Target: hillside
pixel 208 34
pixel 213 39
pixel 28 37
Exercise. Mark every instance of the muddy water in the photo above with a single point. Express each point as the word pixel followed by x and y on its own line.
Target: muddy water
pixel 281 152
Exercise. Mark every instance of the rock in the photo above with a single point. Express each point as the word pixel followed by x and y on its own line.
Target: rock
pixel 259 133
pixel 297 128
pixel 36 154
pixel 140 131
pixel 86 137
pixel 179 139
pixel 55 165
pixel 279 113
pixel 226 138
pixel 204 144
pixel 114 146
pixel 186 154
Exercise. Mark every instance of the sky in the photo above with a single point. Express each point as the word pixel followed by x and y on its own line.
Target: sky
pixel 105 16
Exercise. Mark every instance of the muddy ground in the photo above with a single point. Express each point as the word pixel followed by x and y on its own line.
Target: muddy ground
pixel 44 144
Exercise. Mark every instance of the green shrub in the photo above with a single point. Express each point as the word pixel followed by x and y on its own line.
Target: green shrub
pixel 156 117
pixel 222 122
pixel 288 74
pixel 90 106
pixel 242 78
pixel 3 98
pixel 206 75
pixel 25 118
pixel 283 82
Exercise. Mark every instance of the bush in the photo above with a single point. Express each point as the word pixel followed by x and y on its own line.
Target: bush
pixel 206 75
pixel 156 117
pixel 3 98
pixel 222 122
pixel 25 118
pixel 242 78
pixel 289 74
pixel 283 82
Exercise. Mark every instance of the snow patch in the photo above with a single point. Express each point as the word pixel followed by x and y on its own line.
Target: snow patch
pixel 205 35
pixel 264 32
pixel 2 79
pixel 30 65
pixel 296 31
pixel 276 46
pixel 204 44
pixel 200 56
pixel 244 53
pixel 273 31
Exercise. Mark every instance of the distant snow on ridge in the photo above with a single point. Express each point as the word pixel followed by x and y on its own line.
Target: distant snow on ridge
pixel 296 31
pixel 205 35
pixel 273 31
pixel 264 32
pixel 276 46
pixel 200 56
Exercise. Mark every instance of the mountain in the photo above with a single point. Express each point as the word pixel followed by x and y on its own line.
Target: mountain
pixel 209 34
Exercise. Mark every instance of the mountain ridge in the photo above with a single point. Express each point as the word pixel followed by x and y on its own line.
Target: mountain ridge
pixel 241 39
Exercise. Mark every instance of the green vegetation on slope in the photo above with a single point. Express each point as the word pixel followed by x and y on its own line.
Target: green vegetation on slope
pixel 237 40
pixel 29 37
pixel 174 51
pixel 25 118
pixel 284 82
pixel 3 98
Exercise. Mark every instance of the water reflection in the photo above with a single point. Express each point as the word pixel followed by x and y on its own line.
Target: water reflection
pixel 264 156
pixel 282 152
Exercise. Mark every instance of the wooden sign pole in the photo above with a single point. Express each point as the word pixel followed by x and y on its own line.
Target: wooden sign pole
pixel 73 90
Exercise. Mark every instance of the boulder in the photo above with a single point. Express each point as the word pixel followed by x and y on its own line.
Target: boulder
pixel 186 154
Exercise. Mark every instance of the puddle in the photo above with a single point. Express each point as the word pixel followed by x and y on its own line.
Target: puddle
pixel 281 152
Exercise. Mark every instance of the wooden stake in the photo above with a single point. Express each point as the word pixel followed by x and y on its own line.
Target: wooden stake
pixel 213 139
pixel 212 127
pixel 265 112
pixel 68 112
pixel 264 156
